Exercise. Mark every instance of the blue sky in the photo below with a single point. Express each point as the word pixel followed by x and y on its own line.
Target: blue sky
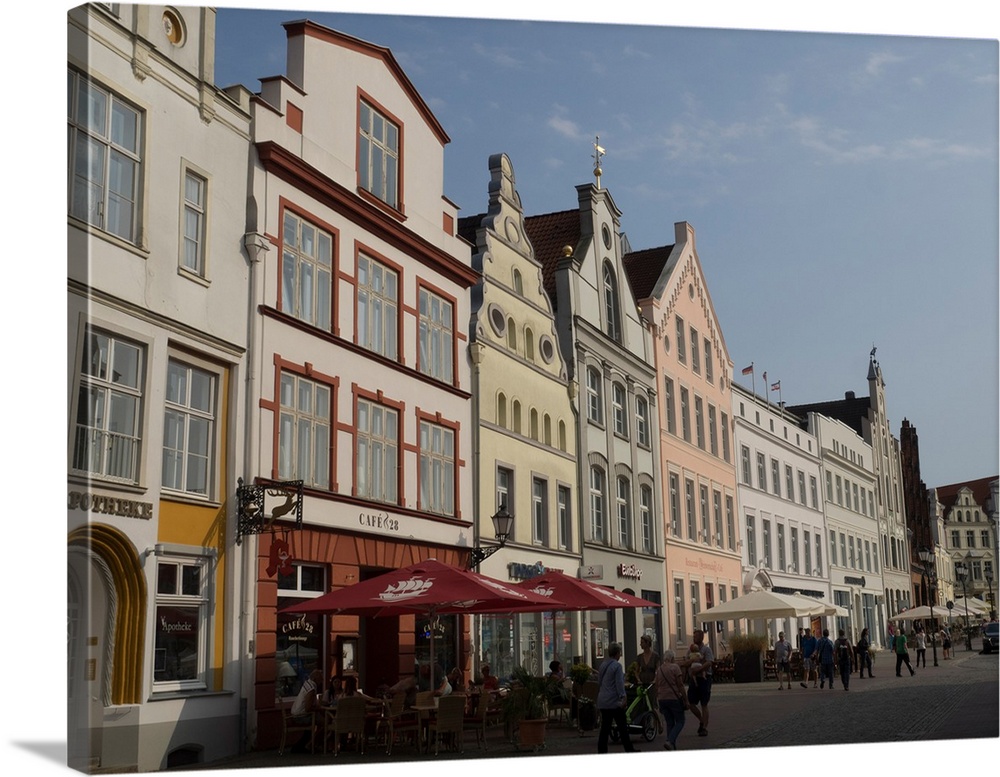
pixel 843 187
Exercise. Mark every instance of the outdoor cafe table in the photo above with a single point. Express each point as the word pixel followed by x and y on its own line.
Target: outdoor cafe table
pixel 375 713
pixel 425 713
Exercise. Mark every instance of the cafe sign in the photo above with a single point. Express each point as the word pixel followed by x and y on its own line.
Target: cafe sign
pixel 629 571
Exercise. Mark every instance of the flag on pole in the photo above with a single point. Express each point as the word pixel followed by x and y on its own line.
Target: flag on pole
pixel 776 386
pixel 748 370
pixel 765 377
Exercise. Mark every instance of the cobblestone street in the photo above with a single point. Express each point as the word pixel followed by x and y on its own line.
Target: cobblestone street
pixel 956 700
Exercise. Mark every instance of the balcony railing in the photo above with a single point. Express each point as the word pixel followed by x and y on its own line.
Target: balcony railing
pixel 104 453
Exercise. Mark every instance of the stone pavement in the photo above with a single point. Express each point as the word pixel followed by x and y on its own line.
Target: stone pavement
pixel 956 700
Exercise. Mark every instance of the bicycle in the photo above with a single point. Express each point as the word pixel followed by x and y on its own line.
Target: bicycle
pixel 642 715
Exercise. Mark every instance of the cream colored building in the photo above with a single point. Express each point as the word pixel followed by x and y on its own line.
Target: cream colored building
pixel 526 435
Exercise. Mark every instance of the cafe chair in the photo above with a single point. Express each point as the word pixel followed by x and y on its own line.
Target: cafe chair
pixel 477 720
pixel 449 721
pixel 398 721
pixel 350 720
pixel 293 726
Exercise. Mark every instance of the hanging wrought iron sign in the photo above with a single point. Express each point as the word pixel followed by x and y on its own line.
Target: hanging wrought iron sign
pixel 259 505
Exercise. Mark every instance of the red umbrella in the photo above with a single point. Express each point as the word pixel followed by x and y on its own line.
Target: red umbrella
pixel 569 593
pixel 427 588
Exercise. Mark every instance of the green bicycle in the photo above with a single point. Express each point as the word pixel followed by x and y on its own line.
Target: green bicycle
pixel 642 715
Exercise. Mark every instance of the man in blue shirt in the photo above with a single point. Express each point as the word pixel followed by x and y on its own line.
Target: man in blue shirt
pixel 611 700
pixel 808 659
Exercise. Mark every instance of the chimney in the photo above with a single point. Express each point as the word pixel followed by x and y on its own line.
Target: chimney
pixel 848 395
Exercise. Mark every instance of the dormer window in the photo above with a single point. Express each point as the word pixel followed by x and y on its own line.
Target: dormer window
pixel 378 155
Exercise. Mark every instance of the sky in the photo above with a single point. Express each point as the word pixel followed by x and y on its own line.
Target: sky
pixel 843 187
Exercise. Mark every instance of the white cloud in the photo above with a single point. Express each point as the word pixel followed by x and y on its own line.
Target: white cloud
pixel 497 55
pixel 876 62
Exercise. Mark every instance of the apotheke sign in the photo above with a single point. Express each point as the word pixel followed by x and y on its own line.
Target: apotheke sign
pixel 109 505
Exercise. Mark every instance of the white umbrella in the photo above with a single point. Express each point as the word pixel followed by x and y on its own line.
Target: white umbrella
pixel 923 612
pixel 761 604
pixel 827 607
pixel 976 606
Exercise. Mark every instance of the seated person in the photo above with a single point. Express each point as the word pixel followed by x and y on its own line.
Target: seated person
pixel 305 704
pixel 490 681
pixel 351 689
pixel 555 670
pixel 455 679
pixel 334 690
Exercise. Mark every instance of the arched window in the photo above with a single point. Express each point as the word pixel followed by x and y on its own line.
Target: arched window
pixel 533 424
pixel 511 335
pixel 562 435
pixel 516 416
pixel 529 344
pixel 595 400
pixel 518 284
pixel 597 518
pixel 623 509
pixel 502 410
pixel 611 313
pixel 547 429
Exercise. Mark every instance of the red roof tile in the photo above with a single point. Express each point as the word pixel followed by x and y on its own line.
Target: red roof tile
pixel 947 495
pixel 644 268
pixel 548 234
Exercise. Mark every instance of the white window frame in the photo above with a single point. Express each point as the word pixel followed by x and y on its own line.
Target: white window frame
pixel 182 558
pixel 437 468
pixel 646 517
pixel 91 197
pixel 306 271
pixel 379 139
pixel 598 517
pixel 642 421
pixel 194 222
pixel 564 506
pixel 100 449
pixel 751 541
pixel 304 430
pixel 178 405
pixel 377 452
pixel 595 403
pixel 623 511
pixel 539 510
pixel 611 303
pixel 618 399
pixel 505 488
pixel 436 336
pixel 378 307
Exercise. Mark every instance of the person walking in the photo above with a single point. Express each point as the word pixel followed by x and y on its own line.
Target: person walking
pixel 843 645
pixel 808 658
pixel 782 654
pixel 611 700
pixel 647 660
pixel 700 690
pixel 864 656
pixel 921 647
pixel 825 658
pixel 902 655
pixel 945 637
pixel 671 697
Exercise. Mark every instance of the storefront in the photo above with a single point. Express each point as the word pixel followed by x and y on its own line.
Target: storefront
pixel 378 651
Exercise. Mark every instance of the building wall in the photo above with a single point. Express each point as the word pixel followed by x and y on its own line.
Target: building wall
pixel 785 557
pixel 702 568
pixel 307 180
pixel 128 282
pixel 625 359
pixel 527 421
pixel 847 465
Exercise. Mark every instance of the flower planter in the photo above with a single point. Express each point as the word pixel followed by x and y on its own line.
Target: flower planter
pixel 531 733
pixel 748 667
pixel 586 717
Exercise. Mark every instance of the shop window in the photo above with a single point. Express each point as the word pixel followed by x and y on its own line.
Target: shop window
pixel 180 642
pixel 300 645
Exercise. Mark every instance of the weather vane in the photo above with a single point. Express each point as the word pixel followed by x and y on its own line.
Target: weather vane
pixel 598 154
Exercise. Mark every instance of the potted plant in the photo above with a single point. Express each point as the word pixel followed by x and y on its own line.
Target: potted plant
pixel 524 708
pixel 579 674
pixel 748 657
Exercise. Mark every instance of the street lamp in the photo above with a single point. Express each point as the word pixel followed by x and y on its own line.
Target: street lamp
pixel 962 570
pixel 927 556
pixel 503 522
pixel 988 573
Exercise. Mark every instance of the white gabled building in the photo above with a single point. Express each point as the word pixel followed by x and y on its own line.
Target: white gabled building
pixel 361 383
